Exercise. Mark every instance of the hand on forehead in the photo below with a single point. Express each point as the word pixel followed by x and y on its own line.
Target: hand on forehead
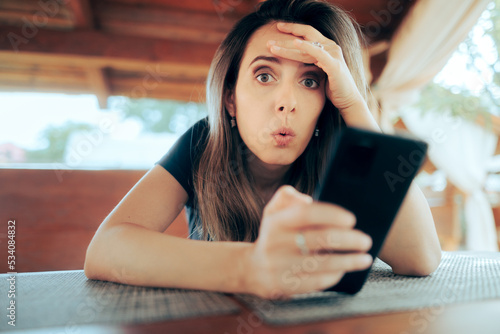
pixel 281 35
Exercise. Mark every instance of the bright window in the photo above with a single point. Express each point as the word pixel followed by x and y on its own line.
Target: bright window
pixel 70 131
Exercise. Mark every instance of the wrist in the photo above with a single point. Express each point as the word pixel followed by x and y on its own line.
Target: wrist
pixel 243 268
pixel 359 115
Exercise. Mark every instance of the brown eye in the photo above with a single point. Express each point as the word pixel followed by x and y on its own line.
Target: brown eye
pixel 310 83
pixel 265 78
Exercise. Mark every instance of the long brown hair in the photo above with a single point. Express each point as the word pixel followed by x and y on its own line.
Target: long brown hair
pixel 229 207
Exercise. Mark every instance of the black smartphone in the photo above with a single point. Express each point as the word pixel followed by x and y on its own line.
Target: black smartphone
pixel 369 174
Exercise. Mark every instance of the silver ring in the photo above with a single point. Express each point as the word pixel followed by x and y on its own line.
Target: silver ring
pixel 318 44
pixel 300 241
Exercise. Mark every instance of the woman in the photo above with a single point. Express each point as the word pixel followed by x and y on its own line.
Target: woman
pixel 281 83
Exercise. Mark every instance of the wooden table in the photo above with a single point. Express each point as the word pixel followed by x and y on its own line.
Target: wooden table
pixel 482 317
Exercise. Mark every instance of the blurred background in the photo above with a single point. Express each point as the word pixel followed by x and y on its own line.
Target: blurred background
pixel 93 93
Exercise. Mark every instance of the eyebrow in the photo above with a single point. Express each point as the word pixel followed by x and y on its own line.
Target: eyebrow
pixel 273 60
pixel 319 75
pixel 267 58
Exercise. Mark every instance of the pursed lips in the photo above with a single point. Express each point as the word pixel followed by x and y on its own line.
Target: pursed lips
pixel 284 131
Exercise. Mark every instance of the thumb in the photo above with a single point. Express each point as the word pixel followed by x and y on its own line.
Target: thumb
pixel 286 196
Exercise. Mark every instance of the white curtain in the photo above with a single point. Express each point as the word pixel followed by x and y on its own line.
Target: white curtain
pixel 463 150
pixel 420 48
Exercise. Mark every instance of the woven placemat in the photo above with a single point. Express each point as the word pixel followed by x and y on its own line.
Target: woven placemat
pixel 68 299
pixel 459 278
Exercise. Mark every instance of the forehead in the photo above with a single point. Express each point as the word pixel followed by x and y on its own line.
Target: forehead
pixel 257 45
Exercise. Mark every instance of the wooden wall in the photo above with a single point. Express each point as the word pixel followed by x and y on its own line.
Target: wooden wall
pixel 57 213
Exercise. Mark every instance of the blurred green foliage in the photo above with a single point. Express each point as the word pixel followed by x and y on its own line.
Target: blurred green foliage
pixel 162 115
pixel 55 139
pixel 436 98
pixel 458 100
pixel 157 116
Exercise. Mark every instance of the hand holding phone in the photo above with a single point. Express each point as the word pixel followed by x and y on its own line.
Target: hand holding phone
pixel 369 174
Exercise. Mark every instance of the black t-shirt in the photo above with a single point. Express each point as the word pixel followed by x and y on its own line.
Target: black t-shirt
pixel 180 161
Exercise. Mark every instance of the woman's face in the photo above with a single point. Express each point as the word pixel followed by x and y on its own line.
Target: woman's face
pixel 277 102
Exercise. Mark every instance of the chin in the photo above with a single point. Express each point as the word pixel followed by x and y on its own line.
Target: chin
pixel 283 159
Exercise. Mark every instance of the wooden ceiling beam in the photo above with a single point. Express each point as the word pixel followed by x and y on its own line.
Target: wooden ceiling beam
pixel 21 18
pixel 113 83
pixel 156 70
pixel 22 81
pixel 34 75
pixel 98 83
pixel 156 67
pixel 164 31
pixel 165 44
pixel 194 92
pixel 93 44
pixel 81 13
pixel 221 8
pixel 162 22
pixel 59 89
pixel 158 14
pixel 36 8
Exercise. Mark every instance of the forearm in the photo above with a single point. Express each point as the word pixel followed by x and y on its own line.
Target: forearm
pixel 412 246
pixel 131 254
pixel 360 116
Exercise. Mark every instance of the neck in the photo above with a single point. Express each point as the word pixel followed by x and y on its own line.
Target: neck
pixel 268 178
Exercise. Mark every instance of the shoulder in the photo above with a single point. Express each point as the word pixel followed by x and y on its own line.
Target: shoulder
pixel 198 133
pixel 181 159
pixel 193 140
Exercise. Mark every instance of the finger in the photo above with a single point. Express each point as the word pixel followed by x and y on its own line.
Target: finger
pixel 292 53
pixel 318 273
pixel 325 56
pixel 336 240
pixel 305 52
pixel 323 281
pixel 302 30
pixel 291 44
pixel 284 197
pixel 331 263
pixel 329 50
pixel 281 43
pixel 313 215
pixel 329 58
pixel 308 284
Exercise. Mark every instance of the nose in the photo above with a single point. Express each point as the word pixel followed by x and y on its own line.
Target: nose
pixel 286 101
